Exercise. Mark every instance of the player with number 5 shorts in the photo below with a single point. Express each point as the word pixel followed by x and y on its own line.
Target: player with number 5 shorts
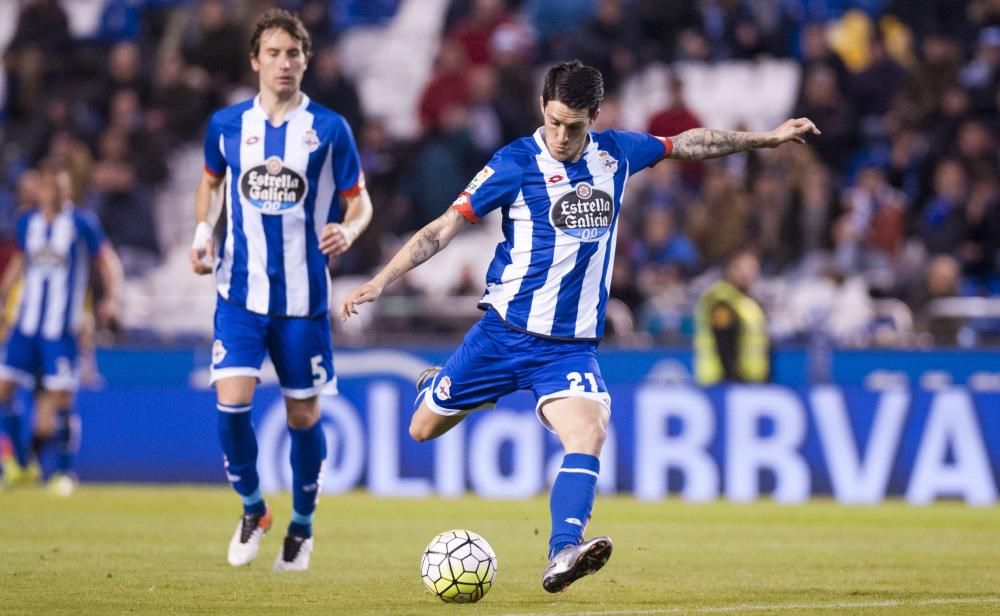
pixel 284 165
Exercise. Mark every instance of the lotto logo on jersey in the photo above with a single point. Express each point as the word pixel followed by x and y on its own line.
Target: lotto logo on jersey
pixel 272 187
pixel 584 213
pixel 478 181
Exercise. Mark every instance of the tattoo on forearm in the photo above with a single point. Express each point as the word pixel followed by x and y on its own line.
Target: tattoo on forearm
pixel 702 143
pixel 426 246
pixel 392 274
pixel 422 246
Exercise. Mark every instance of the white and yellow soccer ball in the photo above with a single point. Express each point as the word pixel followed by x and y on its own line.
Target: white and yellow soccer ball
pixel 458 566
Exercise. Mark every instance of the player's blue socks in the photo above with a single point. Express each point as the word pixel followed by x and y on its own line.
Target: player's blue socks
pixel 239 444
pixel 13 425
pixel 67 439
pixel 572 499
pixel 308 455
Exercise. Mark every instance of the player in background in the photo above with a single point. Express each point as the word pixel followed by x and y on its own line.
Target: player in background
pixel 56 244
pixel 560 192
pixel 281 161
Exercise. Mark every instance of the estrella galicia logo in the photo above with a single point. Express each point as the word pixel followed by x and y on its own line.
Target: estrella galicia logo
pixel 272 187
pixel 584 213
pixel 47 256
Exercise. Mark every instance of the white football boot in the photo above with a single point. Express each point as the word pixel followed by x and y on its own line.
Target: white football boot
pixel 245 544
pixel 295 554
pixel 575 561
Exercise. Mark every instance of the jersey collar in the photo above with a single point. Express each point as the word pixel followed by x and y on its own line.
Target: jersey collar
pixel 540 141
pixel 259 110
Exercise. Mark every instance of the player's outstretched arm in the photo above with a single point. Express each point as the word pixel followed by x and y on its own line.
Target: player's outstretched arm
pixel 422 246
pixel 702 143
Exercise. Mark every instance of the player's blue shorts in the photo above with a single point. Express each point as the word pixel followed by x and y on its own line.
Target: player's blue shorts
pixel 29 358
pixel 495 360
pixel 300 348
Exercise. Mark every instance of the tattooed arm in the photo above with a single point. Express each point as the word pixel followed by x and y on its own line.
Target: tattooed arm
pixel 702 143
pixel 422 246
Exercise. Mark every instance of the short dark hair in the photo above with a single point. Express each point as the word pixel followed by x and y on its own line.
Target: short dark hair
pixel 575 85
pixel 285 20
pixel 52 165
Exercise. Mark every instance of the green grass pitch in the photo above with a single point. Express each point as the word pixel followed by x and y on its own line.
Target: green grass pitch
pixel 161 550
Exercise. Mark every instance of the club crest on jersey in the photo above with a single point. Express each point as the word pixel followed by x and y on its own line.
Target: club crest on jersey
pixel 585 213
pixel 218 352
pixel 272 187
pixel 311 140
pixel 477 181
pixel 443 389
pixel 609 162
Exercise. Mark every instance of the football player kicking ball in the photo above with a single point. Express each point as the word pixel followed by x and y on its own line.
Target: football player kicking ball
pixel 560 192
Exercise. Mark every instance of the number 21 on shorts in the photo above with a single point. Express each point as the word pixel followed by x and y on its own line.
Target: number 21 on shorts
pixel 576 381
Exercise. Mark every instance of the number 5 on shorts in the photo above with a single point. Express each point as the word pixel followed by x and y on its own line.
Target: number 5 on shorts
pixel 319 372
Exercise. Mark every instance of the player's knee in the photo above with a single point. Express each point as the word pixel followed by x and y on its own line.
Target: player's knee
pixel 595 434
pixel 7 389
pixel 420 431
pixel 302 414
pixel 62 399
pixel 301 420
pixel 587 438
pixel 422 424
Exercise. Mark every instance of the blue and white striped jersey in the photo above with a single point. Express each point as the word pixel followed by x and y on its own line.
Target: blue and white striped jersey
pixel 281 189
pixel 552 273
pixel 57 258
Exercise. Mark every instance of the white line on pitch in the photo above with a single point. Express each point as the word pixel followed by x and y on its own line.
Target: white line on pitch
pixel 735 609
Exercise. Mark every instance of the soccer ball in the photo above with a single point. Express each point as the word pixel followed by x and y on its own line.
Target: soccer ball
pixel 458 566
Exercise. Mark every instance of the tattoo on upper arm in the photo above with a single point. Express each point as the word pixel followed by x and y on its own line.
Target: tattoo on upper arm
pixel 702 143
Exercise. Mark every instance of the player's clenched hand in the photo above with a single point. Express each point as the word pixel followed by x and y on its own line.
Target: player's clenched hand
pixel 336 239
pixel 201 262
pixel 107 313
pixel 795 130
pixel 202 249
pixel 367 292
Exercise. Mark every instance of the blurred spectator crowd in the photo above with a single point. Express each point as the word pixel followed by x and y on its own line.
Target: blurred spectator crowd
pixel 896 205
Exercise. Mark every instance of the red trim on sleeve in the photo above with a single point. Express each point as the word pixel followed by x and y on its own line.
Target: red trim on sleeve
pixel 212 172
pixel 668 146
pixel 355 190
pixel 464 207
